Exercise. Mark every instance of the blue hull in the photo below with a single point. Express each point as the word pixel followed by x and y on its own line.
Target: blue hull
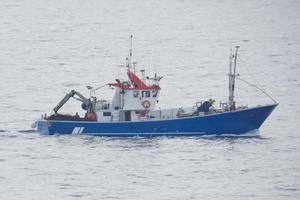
pixel 235 123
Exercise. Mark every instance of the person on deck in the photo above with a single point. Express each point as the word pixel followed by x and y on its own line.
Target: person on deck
pixel 205 106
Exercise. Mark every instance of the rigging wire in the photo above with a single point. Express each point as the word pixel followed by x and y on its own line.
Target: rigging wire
pixel 253 85
pixel 249 72
pixel 257 85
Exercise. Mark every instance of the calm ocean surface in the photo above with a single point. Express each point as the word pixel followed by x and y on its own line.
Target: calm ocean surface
pixel 48 48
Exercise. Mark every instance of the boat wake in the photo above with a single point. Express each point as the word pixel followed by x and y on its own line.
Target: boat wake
pixel 28 131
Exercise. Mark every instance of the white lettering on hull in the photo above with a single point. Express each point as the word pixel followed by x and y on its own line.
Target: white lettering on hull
pixel 77 130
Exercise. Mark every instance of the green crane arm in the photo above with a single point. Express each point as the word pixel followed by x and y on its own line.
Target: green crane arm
pixel 72 93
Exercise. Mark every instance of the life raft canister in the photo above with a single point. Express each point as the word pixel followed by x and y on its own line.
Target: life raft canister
pixel 146 104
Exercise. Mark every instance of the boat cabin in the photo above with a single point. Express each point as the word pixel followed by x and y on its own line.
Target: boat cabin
pixel 132 100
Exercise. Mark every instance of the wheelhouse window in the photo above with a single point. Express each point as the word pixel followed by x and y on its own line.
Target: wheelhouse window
pixel 136 94
pixel 106 114
pixel 154 93
pixel 146 94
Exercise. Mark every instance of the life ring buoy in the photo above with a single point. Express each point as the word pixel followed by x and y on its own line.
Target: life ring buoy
pixel 146 104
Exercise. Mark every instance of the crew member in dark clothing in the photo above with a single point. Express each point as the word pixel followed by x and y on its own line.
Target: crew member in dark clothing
pixel 205 106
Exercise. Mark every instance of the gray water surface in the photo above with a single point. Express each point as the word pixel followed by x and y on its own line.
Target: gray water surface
pixel 48 48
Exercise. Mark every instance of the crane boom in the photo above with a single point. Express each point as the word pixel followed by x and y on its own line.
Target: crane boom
pixel 72 93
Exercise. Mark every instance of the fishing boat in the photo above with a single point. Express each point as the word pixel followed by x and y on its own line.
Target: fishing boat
pixel 132 111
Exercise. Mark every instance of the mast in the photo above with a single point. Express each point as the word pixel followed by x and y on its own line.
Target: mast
pixel 232 75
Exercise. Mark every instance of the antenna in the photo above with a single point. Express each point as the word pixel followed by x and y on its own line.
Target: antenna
pixel 130 52
pixel 235 58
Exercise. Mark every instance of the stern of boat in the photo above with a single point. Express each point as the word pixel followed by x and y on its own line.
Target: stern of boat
pixel 42 127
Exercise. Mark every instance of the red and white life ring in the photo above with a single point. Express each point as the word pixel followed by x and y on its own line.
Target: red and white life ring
pixel 146 104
